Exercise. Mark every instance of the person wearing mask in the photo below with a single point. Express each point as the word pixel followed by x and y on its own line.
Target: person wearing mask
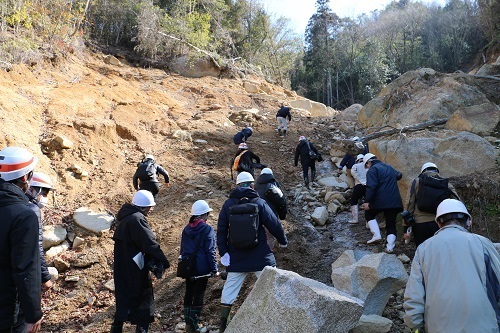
pixel 304 150
pixel 20 269
pixel 454 279
pixel 146 176
pixel 198 238
pixel 244 250
pixel 136 252
pixel 243 135
pixel 281 116
pixel 359 175
pixel 244 160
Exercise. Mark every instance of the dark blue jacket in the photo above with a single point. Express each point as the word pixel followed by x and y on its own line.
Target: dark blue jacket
pixel 202 237
pixel 262 185
pixel 242 136
pixel 255 259
pixel 284 112
pixel 302 150
pixel 348 161
pixel 382 190
pixel 20 275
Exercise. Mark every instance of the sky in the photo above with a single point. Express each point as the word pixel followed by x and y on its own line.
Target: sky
pixel 299 11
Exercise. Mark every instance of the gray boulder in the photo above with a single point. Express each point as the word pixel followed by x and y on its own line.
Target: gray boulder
pixel 373 279
pixel 192 66
pixel 283 301
pixel 320 215
pixel 349 257
pixel 372 324
pixel 53 235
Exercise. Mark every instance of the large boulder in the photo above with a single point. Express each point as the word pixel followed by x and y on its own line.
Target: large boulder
pixel 349 257
pixel 283 301
pixel 480 119
pixel 350 113
pixel 320 215
pixel 373 279
pixel 301 104
pixel 193 66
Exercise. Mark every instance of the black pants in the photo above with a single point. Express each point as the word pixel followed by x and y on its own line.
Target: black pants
pixel 423 231
pixel 117 326
pixel 195 291
pixel 306 166
pixel 18 328
pixel 152 187
pixel 358 192
pixel 390 215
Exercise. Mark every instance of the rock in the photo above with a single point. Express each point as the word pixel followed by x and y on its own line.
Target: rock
pixel 319 110
pixel 72 278
pixel 349 257
pixel 194 66
pixel 55 250
pixel 78 243
pixel 404 258
pixel 110 285
pixel 479 119
pixel 54 274
pixel 251 87
pixel 283 301
pixel 86 261
pixel 64 141
pixel 340 198
pixel 200 141
pixel 320 215
pixel 350 113
pixel 84 174
pixel 304 104
pixel 332 182
pixel 333 208
pixel 111 60
pixel 373 279
pixel 61 265
pixel 489 69
pixel 182 135
pixel 76 169
pixel 372 324
pixel 92 221
pixel 53 235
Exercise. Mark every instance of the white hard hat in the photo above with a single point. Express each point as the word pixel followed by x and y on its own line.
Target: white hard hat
pixel 356 138
pixel 244 177
pixel 448 206
pixel 200 207
pixel 359 157
pixel 427 166
pixel 41 180
pixel 251 130
pixel 367 157
pixel 16 162
pixel 149 157
pixel 242 146
pixel 143 198
pixel 302 138
pixel 266 171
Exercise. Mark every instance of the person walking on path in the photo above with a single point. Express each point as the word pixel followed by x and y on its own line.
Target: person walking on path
pixel 20 269
pixel 244 160
pixel 454 279
pixel 281 116
pixel 359 174
pixel 350 159
pixel 198 237
pixel 136 252
pixel 303 150
pixel 382 196
pixel 147 173
pixel 426 192
pixel 241 239
pixel 242 136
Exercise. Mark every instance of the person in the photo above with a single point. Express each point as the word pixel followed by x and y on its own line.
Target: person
pixel 281 116
pixel 424 226
pixel 454 279
pixel 359 175
pixel 136 251
pixel 149 180
pixel 20 269
pixel 349 159
pixel 240 260
pixel 198 237
pixel 303 150
pixel 244 160
pixel 271 191
pixel 382 196
pixel 242 136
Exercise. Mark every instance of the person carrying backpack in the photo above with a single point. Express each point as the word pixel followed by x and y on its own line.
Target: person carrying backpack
pixel 147 173
pixel 270 190
pixel 244 160
pixel 198 237
pixel 242 136
pixel 283 113
pixel 426 193
pixel 359 174
pixel 241 239
pixel 308 157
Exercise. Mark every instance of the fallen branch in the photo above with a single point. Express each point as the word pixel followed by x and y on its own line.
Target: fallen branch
pixel 410 128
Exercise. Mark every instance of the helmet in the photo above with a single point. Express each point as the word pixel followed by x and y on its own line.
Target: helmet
pixel 16 162
pixel 266 171
pixel 359 157
pixel 143 198
pixel 149 157
pixel 244 177
pixel 367 157
pixel 302 138
pixel 427 166
pixel 242 146
pixel 41 180
pixel 356 138
pixel 200 207
pixel 251 130
pixel 448 206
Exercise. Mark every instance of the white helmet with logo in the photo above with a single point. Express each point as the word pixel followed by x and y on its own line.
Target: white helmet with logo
pixel 149 157
pixel 367 157
pixel 454 207
pixel 244 177
pixel 200 207
pixel 16 162
pixel 143 198
pixel 242 146
pixel 41 180
pixel 427 166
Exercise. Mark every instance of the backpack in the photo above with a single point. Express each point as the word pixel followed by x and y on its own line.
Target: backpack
pixel 146 170
pixel 431 191
pixel 236 161
pixel 244 224
pixel 274 195
pixel 312 155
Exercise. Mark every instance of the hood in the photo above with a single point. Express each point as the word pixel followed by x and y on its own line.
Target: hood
pixel 302 143
pixel 190 230
pixel 126 210
pixel 246 131
pixel 265 179
pixel 11 194
pixel 241 192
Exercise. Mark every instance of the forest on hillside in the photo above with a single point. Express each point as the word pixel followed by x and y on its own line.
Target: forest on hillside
pixel 340 61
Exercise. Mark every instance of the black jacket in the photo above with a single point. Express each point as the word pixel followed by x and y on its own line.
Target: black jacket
pixel 43 263
pixel 262 185
pixel 246 161
pixel 255 259
pixel 20 275
pixel 284 112
pixel 382 190
pixel 201 236
pixel 302 150
pixel 133 287
pixel 159 171
pixel 242 136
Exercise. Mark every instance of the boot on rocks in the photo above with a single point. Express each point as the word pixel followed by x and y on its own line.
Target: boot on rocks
pixel 225 310
pixel 284 132
pixel 306 181
pixel 391 242
pixel 354 212
pixel 279 131
pixel 375 230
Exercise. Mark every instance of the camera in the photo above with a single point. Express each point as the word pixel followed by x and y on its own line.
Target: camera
pixel 408 217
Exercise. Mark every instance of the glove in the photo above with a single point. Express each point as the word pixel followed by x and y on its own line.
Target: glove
pixel 283 246
pixel 214 274
pixel 225 259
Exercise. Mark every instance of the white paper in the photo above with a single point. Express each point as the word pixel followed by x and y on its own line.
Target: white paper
pixel 139 260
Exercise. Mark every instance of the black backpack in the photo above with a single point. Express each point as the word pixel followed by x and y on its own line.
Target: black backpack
pixel 431 191
pixel 146 170
pixel 244 224
pixel 273 196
